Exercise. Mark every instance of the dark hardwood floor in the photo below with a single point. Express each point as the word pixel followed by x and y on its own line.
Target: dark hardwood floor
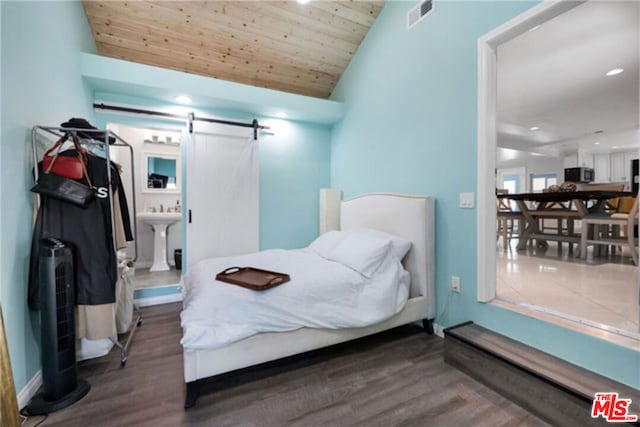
pixel 395 378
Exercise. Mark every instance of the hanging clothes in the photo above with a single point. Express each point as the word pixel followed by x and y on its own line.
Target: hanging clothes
pixel 90 231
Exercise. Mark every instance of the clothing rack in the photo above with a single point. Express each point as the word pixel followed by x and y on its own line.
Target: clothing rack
pixel 106 147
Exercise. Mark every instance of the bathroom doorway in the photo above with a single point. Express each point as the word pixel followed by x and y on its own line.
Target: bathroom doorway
pixel 158 187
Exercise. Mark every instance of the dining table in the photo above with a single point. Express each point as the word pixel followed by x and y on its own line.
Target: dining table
pixel 559 205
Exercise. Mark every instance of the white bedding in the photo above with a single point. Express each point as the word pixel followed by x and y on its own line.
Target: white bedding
pixel 321 294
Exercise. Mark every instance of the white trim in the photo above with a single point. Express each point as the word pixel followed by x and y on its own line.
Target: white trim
pixel 29 390
pixel 487 134
pixel 438 330
pixel 161 299
pixel 576 319
pixel 486 171
pixel 602 332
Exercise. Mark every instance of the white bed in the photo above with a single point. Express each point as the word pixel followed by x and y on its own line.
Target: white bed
pixel 408 217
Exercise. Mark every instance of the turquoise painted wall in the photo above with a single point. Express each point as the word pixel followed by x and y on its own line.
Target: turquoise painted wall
pixel 41 84
pixel 410 126
pixel 294 165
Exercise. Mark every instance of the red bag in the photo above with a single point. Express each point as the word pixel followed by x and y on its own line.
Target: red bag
pixel 68 167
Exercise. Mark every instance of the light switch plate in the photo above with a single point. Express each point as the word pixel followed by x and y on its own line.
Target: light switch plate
pixel 455 284
pixel 466 200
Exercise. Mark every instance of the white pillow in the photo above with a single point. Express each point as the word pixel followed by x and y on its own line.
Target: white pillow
pixel 399 245
pixel 361 252
pixel 326 242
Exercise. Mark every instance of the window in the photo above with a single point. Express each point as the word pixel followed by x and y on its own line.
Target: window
pixel 540 181
pixel 511 185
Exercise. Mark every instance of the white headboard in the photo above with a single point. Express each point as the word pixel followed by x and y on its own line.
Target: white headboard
pixel 406 216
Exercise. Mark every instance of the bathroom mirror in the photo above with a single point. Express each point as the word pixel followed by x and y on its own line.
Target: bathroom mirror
pixel 161 173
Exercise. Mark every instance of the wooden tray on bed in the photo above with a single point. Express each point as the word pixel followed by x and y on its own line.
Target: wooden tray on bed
pixel 252 278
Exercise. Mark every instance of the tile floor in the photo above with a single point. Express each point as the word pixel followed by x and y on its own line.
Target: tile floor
pixel 143 278
pixel 601 289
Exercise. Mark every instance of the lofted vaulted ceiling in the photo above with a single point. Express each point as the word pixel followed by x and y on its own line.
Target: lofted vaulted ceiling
pixel 282 45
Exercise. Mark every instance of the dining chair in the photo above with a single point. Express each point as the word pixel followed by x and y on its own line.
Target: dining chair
pixel 604 228
pixel 560 225
pixel 506 220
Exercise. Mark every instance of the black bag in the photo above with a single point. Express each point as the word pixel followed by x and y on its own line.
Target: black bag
pixel 64 189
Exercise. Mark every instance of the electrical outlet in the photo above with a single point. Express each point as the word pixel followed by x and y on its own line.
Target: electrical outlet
pixel 455 284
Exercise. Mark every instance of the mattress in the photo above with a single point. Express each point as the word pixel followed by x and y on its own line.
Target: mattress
pixel 321 294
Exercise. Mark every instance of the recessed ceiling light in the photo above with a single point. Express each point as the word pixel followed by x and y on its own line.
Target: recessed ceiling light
pixel 596 143
pixel 534 128
pixel 614 147
pixel 282 115
pixel 302 1
pixel 614 72
pixel 183 99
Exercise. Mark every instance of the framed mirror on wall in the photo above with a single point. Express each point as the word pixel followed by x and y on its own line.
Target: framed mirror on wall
pixel 559 90
pixel 161 173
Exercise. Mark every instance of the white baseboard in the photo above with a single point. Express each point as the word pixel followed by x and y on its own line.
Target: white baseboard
pixel 29 390
pixel 162 299
pixel 438 330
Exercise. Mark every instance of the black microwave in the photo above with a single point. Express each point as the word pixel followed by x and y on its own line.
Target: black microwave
pixel 579 174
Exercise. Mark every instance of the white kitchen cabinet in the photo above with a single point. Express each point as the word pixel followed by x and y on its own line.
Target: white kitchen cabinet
pixel 601 167
pixel 571 160
pixel 585 159
pixel 619 170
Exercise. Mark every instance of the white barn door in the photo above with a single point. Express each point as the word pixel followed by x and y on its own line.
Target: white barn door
pixel 222 205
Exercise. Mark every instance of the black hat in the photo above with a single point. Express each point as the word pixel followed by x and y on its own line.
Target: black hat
pixel 80 123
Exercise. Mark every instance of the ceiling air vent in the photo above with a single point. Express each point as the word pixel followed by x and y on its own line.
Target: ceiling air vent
pixel 418 12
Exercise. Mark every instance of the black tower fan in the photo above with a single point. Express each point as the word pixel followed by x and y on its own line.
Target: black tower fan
pixel 60 384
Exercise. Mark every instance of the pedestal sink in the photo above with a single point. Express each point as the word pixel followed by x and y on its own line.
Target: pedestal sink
pixel 159 221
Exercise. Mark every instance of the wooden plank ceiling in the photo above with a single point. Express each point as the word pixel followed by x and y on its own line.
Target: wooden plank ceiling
pixel 282 45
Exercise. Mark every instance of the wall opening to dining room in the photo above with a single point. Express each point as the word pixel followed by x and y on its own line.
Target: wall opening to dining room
pixel 548 101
